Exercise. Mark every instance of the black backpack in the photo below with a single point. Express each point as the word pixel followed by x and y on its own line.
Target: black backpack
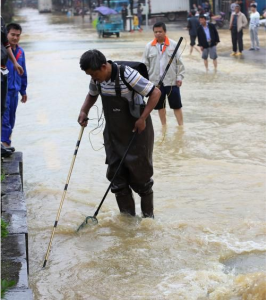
pixel 138 66
pixel 4 55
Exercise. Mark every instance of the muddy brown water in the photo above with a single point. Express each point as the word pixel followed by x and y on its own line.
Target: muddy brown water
pixel 208 238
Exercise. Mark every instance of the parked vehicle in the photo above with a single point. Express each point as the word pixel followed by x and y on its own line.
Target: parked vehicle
pixel 109 24
pixel 170 10
pixel 155 7
pixel 45 6
pixel 219 20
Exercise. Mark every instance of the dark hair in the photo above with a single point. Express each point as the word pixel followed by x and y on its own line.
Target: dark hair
pixel 160 24
pixel 202 17
pixel 253 5
pixel 193 12
pixel 93 60
pixel 15 26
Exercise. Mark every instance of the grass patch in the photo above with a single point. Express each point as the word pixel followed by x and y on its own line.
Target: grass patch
pixel 4 231
pixel 5 285
pixel 3 175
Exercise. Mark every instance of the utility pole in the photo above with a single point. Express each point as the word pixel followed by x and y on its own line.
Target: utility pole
pixel 131 7
pixel 90 7
pixel 146 15
pixel 83 10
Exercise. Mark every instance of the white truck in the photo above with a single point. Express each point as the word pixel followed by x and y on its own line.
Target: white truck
pixel 45 6
pixel 167 8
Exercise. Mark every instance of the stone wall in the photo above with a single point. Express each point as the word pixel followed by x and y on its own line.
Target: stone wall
pixel 14 248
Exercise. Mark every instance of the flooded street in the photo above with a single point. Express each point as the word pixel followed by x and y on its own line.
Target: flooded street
pixel 208 237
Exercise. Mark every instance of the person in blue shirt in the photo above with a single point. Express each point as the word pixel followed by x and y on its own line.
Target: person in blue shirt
pixel 16 83
pixel 206 6
pixel 208 38
pixel 6 53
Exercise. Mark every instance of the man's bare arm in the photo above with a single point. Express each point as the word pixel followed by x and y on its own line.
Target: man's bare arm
pixel 88 103
pixel 11 56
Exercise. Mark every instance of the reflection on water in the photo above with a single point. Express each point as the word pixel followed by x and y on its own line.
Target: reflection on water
pixel 208 238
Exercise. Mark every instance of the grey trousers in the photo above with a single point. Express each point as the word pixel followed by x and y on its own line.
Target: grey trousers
pixel 253 31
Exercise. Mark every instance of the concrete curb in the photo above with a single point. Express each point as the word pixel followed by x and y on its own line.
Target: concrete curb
pixel 14 250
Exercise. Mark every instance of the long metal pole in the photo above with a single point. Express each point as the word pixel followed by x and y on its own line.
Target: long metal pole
pixel 170 61
pixel 63 196
pixel 109 187
pixel 116 173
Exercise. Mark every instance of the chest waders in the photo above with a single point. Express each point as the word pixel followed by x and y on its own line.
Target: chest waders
pixel 137 170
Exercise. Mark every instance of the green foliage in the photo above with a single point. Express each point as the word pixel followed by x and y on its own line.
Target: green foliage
pixel 6 285
pixel 3 175
pixel 4 231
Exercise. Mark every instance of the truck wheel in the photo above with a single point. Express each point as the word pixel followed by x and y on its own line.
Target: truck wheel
pixel 117 34
pixel 171 17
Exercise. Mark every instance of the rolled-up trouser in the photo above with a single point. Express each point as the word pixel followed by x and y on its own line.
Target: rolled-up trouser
pixel 253 31
pixel 211 51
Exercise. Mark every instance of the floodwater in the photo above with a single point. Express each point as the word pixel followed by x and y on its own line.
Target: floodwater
pixel 208 237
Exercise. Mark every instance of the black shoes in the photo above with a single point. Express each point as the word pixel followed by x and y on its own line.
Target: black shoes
pixel 12 149
pixel 5 152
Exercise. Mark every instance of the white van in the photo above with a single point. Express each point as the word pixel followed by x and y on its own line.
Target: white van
pixel 45 6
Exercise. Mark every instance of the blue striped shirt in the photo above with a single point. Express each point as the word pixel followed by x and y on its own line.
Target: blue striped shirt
pixel 141 85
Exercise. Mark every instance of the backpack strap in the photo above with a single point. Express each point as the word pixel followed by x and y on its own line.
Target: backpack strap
pixel 122 70
pixel 99 88
pixel 117 83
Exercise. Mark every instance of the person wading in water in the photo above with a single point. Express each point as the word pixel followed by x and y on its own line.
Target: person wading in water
pixel 124 113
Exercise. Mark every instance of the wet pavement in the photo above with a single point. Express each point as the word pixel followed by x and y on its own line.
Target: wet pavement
pixel 209 176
